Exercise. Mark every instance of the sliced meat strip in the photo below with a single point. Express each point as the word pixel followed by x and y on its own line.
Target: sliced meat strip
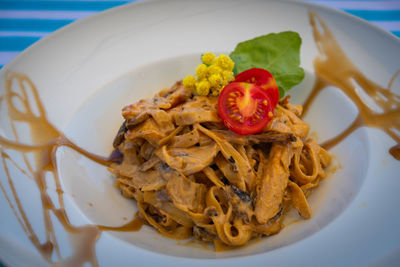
pixel 271 188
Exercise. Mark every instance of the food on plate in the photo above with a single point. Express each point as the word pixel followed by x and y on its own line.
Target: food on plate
pixel 212 75
pixel 245 108
pixel 229 194
pixel 279 53
pixel 263 79
pixel 222 169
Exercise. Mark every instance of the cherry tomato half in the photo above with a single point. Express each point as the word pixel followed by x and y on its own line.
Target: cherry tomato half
pixel 244 108
pixel 262 78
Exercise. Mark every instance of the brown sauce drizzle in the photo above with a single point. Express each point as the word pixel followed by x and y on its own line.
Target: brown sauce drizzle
pixel 332 68
pixel 132 226
pixel 46 139
pixel 395 151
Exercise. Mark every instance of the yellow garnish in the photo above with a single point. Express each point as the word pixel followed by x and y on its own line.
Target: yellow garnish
pixel 224 62
pixel 215 80
pixel 214 69
pixel 207 58
pixel 211 76
pixel 203 87
pixel 227 76
pixel 201 71
pixel 189 82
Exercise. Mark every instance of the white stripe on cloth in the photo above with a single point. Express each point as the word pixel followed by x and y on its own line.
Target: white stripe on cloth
pixel 23 33
pixel 388 25
pixel 44 14
pixel 6 57
pixel 360 5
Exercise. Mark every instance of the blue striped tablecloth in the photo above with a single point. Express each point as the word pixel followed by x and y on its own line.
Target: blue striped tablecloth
pixel 23 22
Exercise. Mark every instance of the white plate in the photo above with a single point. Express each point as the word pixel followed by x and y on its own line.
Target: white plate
pixel 87 71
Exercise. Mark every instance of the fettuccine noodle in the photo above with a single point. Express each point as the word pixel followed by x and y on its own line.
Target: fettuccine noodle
pixel 191 176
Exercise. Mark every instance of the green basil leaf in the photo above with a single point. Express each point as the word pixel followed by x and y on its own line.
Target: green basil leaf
pixel 279 53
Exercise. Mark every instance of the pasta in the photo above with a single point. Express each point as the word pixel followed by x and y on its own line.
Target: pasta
pixel 191 176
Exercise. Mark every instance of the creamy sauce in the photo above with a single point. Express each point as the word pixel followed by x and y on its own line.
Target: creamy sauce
pixel 292 222
pixel 332 67
pixel 221 247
